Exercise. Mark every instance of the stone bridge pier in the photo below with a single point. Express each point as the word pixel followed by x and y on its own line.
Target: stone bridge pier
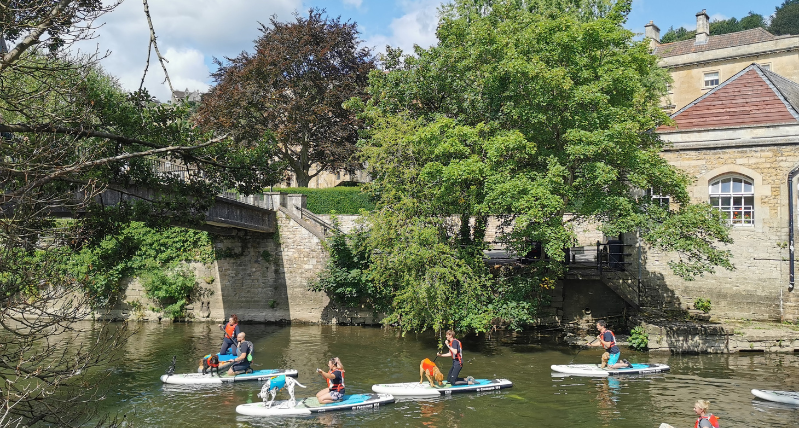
pixel 263 277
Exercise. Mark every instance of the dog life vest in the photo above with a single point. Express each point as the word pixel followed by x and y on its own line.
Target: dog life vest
pixel 428 366
pixel 336 386
pixel 712 419
pixel 277 382
pixel 613 342
pixel 459 356
pixel 209 361
pixel 230 330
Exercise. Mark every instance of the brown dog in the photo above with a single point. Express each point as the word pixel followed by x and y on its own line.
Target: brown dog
pixel 210 363
pixel 430 369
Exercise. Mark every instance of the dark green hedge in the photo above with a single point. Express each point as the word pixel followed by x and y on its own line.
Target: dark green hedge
pixel 338 200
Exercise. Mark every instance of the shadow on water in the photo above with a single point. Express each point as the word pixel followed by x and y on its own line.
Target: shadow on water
pixel 374 355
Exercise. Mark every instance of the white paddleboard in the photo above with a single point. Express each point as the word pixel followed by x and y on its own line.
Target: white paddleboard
pixel 595 370
pixel 212 379
pixel 311 405
pixel 416 389
pixel 786 397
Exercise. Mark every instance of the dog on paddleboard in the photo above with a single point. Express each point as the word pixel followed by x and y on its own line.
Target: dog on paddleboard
pixel 210 364
pixel 430 369
pixel 274 384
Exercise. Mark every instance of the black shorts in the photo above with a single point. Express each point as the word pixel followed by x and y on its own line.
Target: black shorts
pixel 240 366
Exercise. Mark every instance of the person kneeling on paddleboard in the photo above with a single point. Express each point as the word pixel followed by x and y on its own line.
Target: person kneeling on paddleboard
pixel 335 382
pixel 244 356
pixel 706 420
pixel 456 352
pixel 607 340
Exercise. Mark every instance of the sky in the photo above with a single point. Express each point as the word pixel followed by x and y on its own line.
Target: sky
pixel 193 32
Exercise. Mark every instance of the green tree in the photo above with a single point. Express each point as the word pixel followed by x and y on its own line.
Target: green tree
pixel 786 18
pixel 540 117
pixel 293 86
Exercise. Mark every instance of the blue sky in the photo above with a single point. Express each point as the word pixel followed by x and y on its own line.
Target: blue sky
pixel 192 32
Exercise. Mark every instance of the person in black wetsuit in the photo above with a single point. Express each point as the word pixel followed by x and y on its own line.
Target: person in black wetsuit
pixel 456 352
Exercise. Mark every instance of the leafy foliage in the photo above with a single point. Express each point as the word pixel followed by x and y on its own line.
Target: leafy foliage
pixel 702 304
pixel 639 340
pixel 334 200
pixel 293 87
pixel 139 250
pixel 527 114
pixel 171 289
pixel 786 18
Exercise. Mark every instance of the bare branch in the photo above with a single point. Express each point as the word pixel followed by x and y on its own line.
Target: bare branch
pixel 154 44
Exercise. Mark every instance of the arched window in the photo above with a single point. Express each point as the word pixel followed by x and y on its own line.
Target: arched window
pixel 734 195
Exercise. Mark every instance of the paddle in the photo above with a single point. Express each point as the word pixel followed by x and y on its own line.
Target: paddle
pixel 581 348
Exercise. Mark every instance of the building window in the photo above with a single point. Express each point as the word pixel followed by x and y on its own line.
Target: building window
pixel 658 199
pixel 711 79
pixel 766 66
pixel 735 197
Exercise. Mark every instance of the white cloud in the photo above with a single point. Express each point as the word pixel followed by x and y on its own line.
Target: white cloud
pixel 190 33
pixel 416 27
pixel 718 17
pixel 356 3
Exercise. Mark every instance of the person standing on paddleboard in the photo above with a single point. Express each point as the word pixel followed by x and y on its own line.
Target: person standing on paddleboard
pixel 456 352
pixel 335 382
pixel 607 340
pixel 232 331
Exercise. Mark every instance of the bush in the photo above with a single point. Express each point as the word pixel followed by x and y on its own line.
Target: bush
pixel 639 340
pixel 171 289
pixel 702 305
pixel 334 200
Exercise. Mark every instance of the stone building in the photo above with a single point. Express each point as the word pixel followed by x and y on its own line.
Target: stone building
pixel 697 66
pixel 740 142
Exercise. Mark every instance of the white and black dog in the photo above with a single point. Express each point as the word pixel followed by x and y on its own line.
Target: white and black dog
pixel 276 383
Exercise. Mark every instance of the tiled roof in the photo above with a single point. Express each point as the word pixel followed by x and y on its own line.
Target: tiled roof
pixel 747 37
pixel 753 96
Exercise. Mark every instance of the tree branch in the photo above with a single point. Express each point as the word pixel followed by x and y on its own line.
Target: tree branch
pixel 34 35
pixel 154 44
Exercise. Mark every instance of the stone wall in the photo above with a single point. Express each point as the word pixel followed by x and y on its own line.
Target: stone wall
pixel 757 288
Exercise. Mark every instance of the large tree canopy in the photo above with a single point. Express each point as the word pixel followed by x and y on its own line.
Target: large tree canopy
pixel 542 116
pixel 293 86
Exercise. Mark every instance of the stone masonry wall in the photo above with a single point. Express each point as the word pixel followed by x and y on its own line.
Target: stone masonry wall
pixel 758 288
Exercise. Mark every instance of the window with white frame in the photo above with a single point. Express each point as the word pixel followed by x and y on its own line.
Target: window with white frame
pixel 734 195
pixel 658 199
pixel 766 66
pixel 711 79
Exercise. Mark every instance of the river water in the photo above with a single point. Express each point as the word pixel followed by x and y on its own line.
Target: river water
pixel 374 355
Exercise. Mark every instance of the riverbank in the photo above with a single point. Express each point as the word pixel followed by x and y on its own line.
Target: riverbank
pixel 708 337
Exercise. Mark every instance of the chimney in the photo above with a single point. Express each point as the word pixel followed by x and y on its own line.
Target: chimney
pixel 652 32
pixel 702 28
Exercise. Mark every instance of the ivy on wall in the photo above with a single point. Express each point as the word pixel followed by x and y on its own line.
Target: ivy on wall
pixel 154 255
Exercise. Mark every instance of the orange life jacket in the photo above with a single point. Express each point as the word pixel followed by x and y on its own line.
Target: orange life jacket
pixel 428 366
pixel 208 361
pixel 336 387
pixel 713 421
pixel 230 330
pixel 613 343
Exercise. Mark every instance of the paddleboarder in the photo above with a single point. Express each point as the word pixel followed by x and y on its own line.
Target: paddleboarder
pixel 232 331
pixel 244 356
pixel 456 352
pixel 607 340
pixel 335 382
pixel 706 420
